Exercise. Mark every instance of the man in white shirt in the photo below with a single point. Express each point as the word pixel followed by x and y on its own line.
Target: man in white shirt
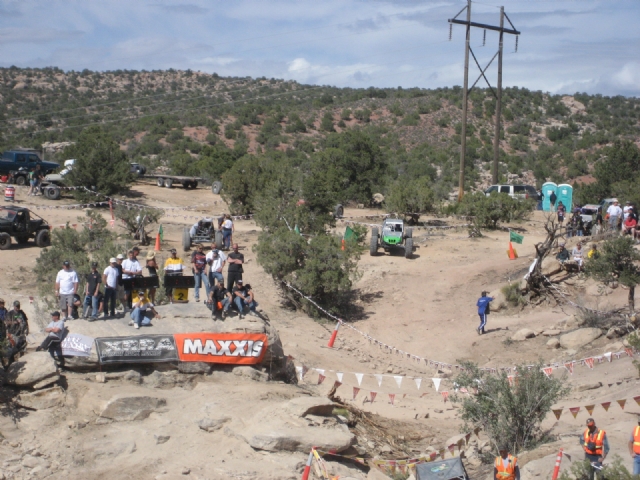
pixel 194 228
pixel 615 212
pixel 66 288
pixel 130 268
pixel 625 210
pixel 52 342
pixel 139 312
pixel 110 280
pixel 216 260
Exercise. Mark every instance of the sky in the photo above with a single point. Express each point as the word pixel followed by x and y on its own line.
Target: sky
pixel 565 46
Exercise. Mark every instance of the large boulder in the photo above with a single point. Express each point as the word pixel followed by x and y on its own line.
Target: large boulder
pixel 499 301
pixel 37 368
pixel 43 399
pixel 550 266
pixel 212 424
pixel 125 408
pixel 302 406
pixel 579 338
pixel 274 435
pixel 522 334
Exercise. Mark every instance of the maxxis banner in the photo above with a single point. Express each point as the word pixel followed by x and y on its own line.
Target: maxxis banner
pixel 229 348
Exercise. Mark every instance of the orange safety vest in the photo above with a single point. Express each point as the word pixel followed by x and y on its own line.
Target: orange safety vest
pixel 507 472
pixel 636 440
pixel 597 438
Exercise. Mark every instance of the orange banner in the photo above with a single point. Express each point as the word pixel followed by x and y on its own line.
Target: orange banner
pixel 232 348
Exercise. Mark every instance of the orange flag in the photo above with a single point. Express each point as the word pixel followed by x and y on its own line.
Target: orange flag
pixel 574 411
pixel 637 399
pixel 557 412
pixel 621 403
pixel 589 408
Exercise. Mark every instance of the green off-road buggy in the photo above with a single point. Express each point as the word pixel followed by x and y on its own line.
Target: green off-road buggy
pixel 394 236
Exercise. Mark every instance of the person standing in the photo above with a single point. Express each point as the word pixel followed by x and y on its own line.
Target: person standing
pixel 32 182
pixel 110 280
pixel 53 340
pixel 614 212
pixel 92 289
pixel 561 212
pixel 152 268
pixel 505 466
pixel 17 326
pixel 66 288
pixel 198 264
pixel 173 267
pixel 227 231
pixel 235 270
pixel 130 268
pixel 120 289
pixel 552 201
pixel 634 447
pixel 483 311
pixel 216 261
pixel 595 444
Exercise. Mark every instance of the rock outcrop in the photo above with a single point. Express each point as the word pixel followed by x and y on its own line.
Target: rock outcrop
pixel 124 409
pixel 579 338
pixel 37 369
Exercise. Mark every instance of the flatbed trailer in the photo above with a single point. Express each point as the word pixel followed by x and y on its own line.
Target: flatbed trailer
pixel 169 181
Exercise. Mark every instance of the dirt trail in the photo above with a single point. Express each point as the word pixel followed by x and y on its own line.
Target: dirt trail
pixel 424 306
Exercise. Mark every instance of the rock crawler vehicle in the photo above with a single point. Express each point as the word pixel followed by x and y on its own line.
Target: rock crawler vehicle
pixel 19 223
pixel 394 236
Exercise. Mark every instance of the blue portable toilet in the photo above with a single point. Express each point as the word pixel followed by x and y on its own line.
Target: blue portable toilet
pixel 565 195
pixel 547 189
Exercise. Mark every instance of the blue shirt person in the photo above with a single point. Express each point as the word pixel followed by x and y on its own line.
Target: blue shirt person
pixel 483 311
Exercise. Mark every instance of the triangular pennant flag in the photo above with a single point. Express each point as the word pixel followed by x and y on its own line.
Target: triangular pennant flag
pixel 445 396
pixel 304 370
pixel 418 382
pixel 379 378
pixel 373 396
pixel 621 403
pixel 589 362
pixel 452 448
pixel 359 378
pixel 442 452
pixel 467 437
pixel 321 378
pixel 336 384
pixel 566 455
pixel 392 397
pixel 608 356
pixel 557 412
pixel 574 411
pixel 398 379
pixel 606 406
pixel 460 443
pixel 637 399
pixel 433 456
pixel 569 366
pixel 548 371
pixel 629 351
pixel 589 408
pixel 339 375
pixel 356 390
pixel 436 383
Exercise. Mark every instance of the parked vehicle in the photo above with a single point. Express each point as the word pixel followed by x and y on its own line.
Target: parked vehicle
pixel 138 169
pixel 168 181
pixel 18 163
pixel 522 192
pixel 19 223
pixel 204 233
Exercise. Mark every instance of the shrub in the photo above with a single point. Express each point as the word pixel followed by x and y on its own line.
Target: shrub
pixel 513 294
pixel 498 207
pixel 582 470
pixel 135 220
pixel 510 415
pixel 413 196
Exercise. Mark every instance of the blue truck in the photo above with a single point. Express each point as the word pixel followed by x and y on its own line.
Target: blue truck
pixel 18 164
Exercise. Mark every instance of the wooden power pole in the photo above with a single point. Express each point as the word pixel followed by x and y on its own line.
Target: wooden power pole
pixel 465 94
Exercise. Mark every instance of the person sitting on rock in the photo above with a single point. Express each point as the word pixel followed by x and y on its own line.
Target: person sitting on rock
pixel 139 312
pixel 53 340
pixel 242 298
pixel 593 253
pixel 629 225
pixel 563 255
pixel 578 255
pixel 220 299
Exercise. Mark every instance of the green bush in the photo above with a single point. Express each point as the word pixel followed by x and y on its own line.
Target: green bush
pixel 410 196
pixel 513 295
pixel 582 470
pixel 495 208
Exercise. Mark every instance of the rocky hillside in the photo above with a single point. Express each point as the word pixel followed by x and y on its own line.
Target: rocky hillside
pixel 172 118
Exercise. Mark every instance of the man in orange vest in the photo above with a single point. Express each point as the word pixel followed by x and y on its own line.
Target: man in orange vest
pixel 505 466
pixel 634 448
pixel 595 444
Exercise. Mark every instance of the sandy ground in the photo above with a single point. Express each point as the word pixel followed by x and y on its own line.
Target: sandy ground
pixel 424 306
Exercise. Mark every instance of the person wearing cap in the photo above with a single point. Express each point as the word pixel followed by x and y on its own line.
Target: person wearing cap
pixel 578 255
pixel 139 312
pixel 173 267
pixel 595 444
pixel 505 466
pixel 120 289
pixel 130 268
pixel 3 314
pixel 66 288
pixel 483 310
pixel 242 299
pixel 563 255
pixel 198 264
pixel 234 273
pixel 152 268
pixel 220 299
pixel 634 447
pixel 17 326
pixel 630 224
pixel 614 212
pixel 625 210
pixel 53 340
pixel 110 280
pixel 92 289
pixel 561 212
pixel 216 260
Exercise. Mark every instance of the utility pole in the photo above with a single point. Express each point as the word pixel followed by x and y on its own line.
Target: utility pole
pixel 465 94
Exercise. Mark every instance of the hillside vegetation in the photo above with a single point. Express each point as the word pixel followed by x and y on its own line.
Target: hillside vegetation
pixel 202 124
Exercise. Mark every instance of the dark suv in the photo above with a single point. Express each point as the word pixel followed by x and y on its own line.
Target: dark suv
pixel 19 162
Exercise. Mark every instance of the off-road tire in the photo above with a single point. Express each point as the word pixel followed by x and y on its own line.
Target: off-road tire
pixel 168 182
pixel 52 193
pixel 373 243
pixel 408 232
pixel 22 239
pixel 21 180
pixel 408 248
pixel 160 181
pixel 5 241
pixel 218 239
pixel 216 187
pixel 186 239
pixel 43 238
pixel 339 211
